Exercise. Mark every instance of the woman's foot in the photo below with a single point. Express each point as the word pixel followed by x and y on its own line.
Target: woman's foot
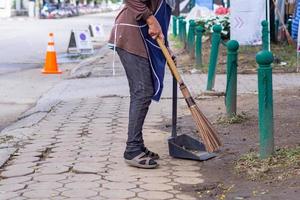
pixel 151 154
pixel 140 159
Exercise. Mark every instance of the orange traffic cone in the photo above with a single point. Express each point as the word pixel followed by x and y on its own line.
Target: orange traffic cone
pixel 51 66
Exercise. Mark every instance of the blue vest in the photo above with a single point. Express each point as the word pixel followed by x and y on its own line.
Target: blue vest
pixel 156 57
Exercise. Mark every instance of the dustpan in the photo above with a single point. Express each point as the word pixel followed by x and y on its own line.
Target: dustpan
pixel 184 146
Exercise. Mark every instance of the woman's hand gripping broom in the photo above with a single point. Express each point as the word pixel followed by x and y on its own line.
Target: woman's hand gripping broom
pixel 205 128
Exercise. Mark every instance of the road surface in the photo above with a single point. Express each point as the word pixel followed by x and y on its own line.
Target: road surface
pixel 23 41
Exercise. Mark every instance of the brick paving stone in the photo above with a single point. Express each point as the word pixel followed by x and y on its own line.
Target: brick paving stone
pixel 16 172
pixel 65 181
pixel 155 195
pixel 50 177
pixel 85 177
pixel 120 186
pixel 64 154
pixel 116 178
pixel 60 160
pixel 91 158
pixel 185 197
pixel 117 194
pixel 19 198
pixel 189 180
pixel 24 160
pixel 147 173
pixel 79 193
pixel 174 191
pixel 156 180
pixel 15 180
pixel 16 166
pixel 137 190
pixel 28 154
pixel 93 168
pixel 82 185
pixel 65 148
pixel 172 184
pixel 8 195
pixel 40 194
pixel 186 168
pixel 53 169
pixel 12 187
pixel 156 187
pixel 45 185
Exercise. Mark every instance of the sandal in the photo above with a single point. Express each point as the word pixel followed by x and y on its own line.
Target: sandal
pixel 151 154
pixel 142 161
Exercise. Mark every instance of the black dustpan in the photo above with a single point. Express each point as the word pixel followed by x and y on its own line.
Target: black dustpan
pixel 185 146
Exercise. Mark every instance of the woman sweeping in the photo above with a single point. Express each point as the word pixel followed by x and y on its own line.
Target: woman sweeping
pixel 137 26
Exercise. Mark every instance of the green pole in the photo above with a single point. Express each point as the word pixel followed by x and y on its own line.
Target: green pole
pixel 191 38
pixel 231 87
pixel 184 33
pixel 181 19
pixel 265 35
pixel 199 34
pixel 265 99
pixel 215 43
pixel 180 28
pixel 174 26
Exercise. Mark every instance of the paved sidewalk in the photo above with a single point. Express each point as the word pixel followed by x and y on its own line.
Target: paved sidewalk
pixel 76 153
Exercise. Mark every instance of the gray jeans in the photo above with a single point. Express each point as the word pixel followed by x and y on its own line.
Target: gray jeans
pixel 139 77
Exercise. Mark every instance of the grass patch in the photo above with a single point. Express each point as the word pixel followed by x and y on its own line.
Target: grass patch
pixel 237 119
pixel 284 53
pixel 283 164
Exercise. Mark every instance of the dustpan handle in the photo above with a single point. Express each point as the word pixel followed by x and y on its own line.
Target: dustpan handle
pixel 174 109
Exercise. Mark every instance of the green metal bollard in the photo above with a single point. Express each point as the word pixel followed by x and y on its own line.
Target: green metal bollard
pixel 215 43
pixel 265 100
pixel 265 35
pixel 174 26
pixel 231 87
pixel 199 34
pixel 180 28
pixel 184 33
pixel 191 38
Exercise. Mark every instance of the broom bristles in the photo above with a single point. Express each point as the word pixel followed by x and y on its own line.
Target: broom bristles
pixel 205 129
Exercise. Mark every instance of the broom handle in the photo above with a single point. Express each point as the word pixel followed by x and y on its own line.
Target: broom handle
pixel 170 61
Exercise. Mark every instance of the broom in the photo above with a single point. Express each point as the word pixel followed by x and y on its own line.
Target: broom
pixel 287 33
pixel 205 128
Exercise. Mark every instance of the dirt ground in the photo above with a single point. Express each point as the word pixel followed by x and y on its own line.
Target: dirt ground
pixel 222 181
